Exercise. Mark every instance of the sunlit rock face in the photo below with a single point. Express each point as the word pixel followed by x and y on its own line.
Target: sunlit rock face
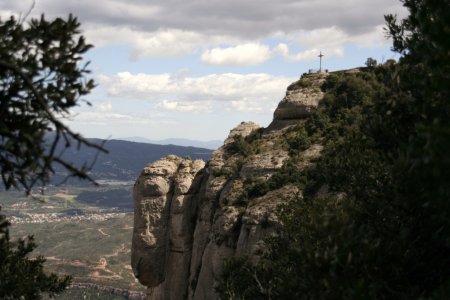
pixel 162 236
pixel 302 99
pixel 190 216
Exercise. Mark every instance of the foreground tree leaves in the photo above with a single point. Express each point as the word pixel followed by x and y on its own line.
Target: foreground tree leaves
pixel 22 277
pixel 382 231
pixel 41 78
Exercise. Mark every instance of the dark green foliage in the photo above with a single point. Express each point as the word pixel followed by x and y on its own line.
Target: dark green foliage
pixel 22 277
pixel 328 242
pixel 331 81
pixel 297 139
pixel 246 146
pixel 303 82
pixel 288 174
pixel 242 281
pixel 227 172
pixel 240 146
pixel 232 171
pixel 382 229
pixel 371 62
pixel 255 135
pixel 255 187
pixel 41 78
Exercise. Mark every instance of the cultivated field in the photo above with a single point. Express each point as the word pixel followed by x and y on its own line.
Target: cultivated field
pixel 81 231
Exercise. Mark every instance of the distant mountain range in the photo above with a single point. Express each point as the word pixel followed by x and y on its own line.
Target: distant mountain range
pixel 125 159
pixel 213 144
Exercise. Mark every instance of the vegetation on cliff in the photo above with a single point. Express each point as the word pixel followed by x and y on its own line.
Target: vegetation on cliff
pixel 374 218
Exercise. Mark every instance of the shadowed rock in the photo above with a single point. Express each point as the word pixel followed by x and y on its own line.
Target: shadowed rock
pixel 163 198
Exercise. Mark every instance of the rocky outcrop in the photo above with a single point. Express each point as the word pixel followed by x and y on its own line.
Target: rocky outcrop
pixel 164 209
pixel 302 98
pixel 190 217
pixel 243 129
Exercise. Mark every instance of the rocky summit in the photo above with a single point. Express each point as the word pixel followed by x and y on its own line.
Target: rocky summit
pixel 189 216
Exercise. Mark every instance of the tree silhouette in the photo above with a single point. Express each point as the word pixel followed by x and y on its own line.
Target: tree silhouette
pixel 42 76
pixel 382 231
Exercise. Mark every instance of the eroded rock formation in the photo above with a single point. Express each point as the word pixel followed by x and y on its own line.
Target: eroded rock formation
pixel 163 227
pixel 302 98
pixel 190 217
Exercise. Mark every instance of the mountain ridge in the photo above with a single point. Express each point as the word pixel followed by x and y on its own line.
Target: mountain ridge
pixel 209 144
pixel 124 160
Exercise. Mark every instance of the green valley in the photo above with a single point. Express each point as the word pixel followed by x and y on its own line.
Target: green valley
pixel 82 234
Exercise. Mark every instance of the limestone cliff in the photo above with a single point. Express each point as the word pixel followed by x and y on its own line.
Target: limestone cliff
pixel 190 216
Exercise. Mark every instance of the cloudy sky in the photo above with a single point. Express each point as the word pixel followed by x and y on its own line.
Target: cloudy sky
pixel 197 68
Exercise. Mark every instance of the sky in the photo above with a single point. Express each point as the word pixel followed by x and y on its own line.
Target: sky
pixel 195 69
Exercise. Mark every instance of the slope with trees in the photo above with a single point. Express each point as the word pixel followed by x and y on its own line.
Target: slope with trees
pixel 373 221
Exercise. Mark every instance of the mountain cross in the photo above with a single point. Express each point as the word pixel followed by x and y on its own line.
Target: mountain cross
pixel 320 58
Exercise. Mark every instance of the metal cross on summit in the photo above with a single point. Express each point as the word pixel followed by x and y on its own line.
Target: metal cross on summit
pixel 320 58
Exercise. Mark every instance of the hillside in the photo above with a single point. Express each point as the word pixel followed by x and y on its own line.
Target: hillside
pixel 200 215
pixel 327 202
pixel 88 228
pixel 124 160
pixel 212 144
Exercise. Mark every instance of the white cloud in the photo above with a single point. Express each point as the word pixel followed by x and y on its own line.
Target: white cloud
pixel 323 37
pixel 177 27
pixel 104 107
pixel 173 42
pixel 160 43
pixel 375 38
pixel 114 119
pixel 282 49
pixel 111 119
pixel 193 106
pixel 191 94
pixel 125 84
pixel 252 106
pixel 333 38
pixel 103 114
pixel 240 55
pixel 126 9
pixel 167 43
pixel 331 41
pixel 309 54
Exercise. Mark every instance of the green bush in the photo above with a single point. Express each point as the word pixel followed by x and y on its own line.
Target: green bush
pixel 303 82
pixel 382 230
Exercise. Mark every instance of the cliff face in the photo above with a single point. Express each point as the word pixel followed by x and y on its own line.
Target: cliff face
pixel 190 217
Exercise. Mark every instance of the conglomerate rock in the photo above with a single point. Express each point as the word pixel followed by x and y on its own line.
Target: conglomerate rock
pixel 190 217
pixel 301 100
pixel 164 207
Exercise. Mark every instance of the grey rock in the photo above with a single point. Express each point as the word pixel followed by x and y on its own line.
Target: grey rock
pixel 264 164
pixel 243 129
pixel 190 217
pixel 300 101
pixel 162 229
